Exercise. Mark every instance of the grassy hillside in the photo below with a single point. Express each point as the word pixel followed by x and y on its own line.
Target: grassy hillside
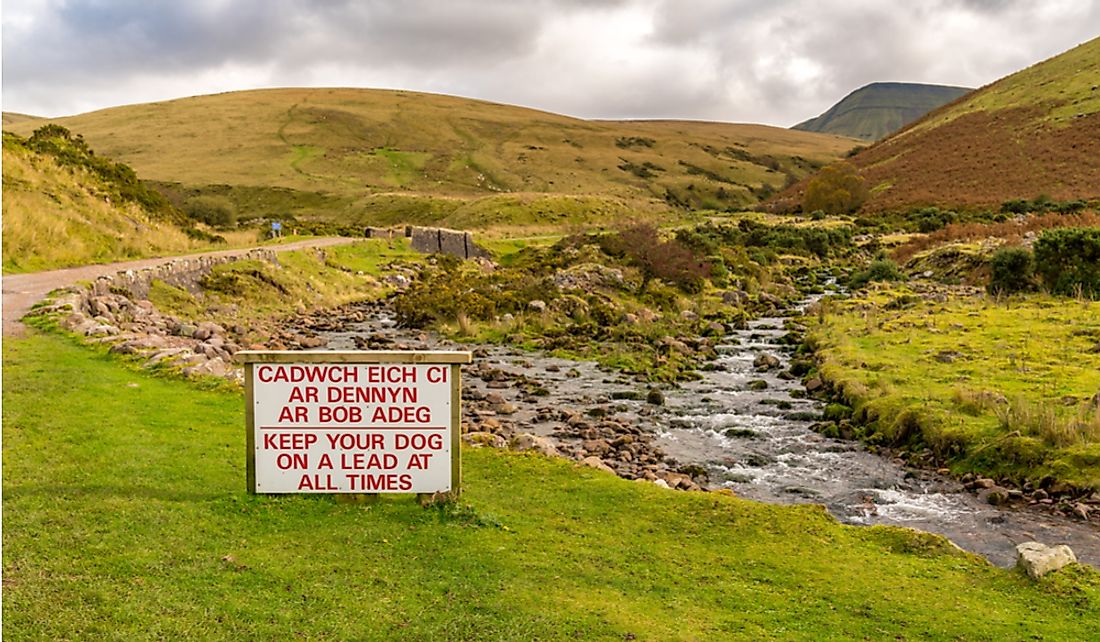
pixel 880 109
pixel 358 155
pixel 1034 132
pixel 125 518
pixel 1034 135
pixel 61 213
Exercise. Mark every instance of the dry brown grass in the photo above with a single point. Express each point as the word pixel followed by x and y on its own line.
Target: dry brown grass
pixel 356 143
pixel 1012 232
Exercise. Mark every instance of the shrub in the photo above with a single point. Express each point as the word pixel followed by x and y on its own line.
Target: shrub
pixel 1013 271
pixel 880 270
pixel 837 189
pixel 1068 260
pixel 215 211
pixel 671 261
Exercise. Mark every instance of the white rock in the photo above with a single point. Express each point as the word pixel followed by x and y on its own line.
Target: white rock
pixel 1039 559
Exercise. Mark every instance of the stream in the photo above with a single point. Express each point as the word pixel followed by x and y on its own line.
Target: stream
pixel 756 442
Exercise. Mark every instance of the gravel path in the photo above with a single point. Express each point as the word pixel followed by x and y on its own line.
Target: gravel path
pixel 22 291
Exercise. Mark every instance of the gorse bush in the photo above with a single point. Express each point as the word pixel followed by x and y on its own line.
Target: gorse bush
pixel 216 211
pixel 880 270
pixel 1013 270
pixel 808 241
pixel 1068 260
pixel 1041 204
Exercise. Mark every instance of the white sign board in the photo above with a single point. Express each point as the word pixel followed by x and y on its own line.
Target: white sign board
pixel 343 427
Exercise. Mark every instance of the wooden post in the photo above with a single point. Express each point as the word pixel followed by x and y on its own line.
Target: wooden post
pixel 249 429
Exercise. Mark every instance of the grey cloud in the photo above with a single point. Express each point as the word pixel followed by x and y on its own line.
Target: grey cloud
pixel 778 61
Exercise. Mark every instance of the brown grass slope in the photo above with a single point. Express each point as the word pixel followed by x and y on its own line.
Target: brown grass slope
pixel 1034 132
pixel 56 216
pixel 367 146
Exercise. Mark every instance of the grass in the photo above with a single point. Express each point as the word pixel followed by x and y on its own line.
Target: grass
pixel 1063 82
pixel 125 518
pixel 998 387
pixel 57 217
pixel 329 146
pixel 249 293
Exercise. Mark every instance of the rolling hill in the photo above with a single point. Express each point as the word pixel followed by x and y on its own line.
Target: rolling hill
pixel 374 156
pixel 1035 132
pixel 880 109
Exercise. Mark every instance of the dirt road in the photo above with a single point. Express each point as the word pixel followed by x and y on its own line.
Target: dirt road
pixel 22 291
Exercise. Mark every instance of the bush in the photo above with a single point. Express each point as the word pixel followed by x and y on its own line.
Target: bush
pixel 671 261
pixel 880 270
pixel 837 189
pixel 215 211
pixel 1013 271
pixel 1068 260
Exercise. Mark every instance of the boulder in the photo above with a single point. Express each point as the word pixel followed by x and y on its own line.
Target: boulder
pixel 479 439
pixel 526 441
pixel 765 361
pixel 595 462
pixel 995 495
pixel 1038 559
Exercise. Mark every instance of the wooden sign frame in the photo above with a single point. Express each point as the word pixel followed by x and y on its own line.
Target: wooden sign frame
pixel 455 359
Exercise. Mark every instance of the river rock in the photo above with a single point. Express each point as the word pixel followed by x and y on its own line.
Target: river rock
pixel 506 408
pixel 995 495
pixel 655 397
pixel 479 439
pixel 312 342
pixel 765 361
pixel 1037 559
pixel 597 447
pixel 526 441
pixel 814 384
pixel 595 462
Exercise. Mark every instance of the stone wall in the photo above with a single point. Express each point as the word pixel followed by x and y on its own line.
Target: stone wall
pixel 181 273
pixel 437 240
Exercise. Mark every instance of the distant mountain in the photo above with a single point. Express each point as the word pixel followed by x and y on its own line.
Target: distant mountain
pixel 880 109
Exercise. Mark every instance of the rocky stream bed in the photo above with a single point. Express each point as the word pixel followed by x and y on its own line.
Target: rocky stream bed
pixel 745 425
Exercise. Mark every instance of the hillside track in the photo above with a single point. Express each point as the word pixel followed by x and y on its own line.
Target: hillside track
pixel 22 291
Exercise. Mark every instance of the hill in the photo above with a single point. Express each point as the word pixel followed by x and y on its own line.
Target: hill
pixel 880 109
pixel 362 155
pixel 1035 132
pixel 64 206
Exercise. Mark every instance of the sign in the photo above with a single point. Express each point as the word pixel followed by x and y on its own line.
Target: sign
pixel 353 422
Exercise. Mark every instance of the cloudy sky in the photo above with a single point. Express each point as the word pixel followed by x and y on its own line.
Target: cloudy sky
pixel 768 61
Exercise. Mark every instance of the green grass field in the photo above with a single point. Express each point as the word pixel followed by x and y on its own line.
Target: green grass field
pixel 125 518
pixel 1001 388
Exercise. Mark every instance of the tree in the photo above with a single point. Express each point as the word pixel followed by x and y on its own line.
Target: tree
pixel 836 189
